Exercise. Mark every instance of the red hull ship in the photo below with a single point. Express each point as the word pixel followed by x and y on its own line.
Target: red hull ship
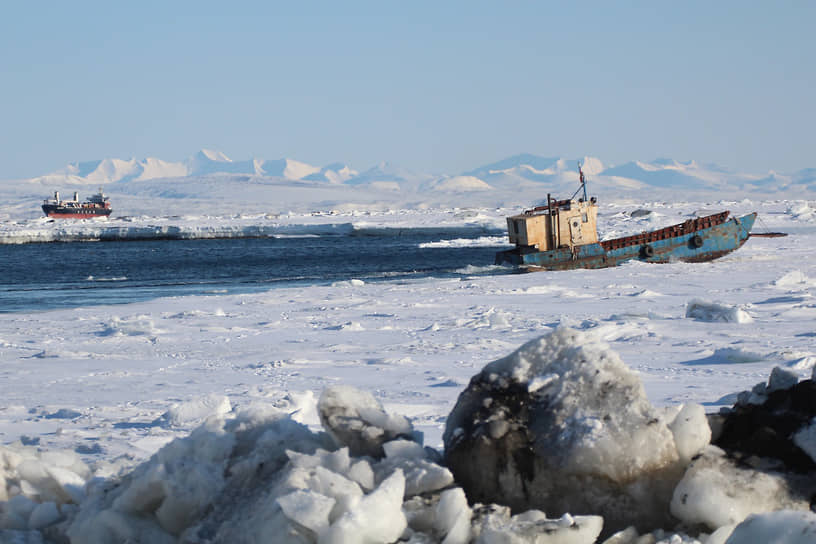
pixel 97 205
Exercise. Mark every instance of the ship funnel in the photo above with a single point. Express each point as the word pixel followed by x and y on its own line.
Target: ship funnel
pixel 56 196
pixel 76 196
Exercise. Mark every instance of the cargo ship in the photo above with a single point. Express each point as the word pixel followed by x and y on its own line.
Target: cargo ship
pixel 563 235
pixel 97 205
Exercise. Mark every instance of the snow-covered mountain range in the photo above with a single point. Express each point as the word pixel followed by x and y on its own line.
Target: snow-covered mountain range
pixel 516 172
pixel 203 163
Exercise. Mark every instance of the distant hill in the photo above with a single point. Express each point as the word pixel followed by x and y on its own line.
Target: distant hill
pixel 389 177
pixel 518 174
pixel 560 175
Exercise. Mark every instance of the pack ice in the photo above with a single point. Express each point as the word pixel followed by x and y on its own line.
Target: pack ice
pixel 555 443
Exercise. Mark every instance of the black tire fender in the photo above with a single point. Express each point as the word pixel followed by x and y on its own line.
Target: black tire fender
pixel 647 251
pixel 696 241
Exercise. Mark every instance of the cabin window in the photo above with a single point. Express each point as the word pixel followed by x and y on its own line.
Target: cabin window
pixel 585 218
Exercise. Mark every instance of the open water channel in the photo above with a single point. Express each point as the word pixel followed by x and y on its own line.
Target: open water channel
pixel 64 275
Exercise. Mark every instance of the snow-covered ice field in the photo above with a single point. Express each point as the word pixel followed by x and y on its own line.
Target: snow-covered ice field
pixel 116 383
pixel 99 378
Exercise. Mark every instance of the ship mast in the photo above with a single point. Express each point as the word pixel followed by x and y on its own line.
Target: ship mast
pixel 583 183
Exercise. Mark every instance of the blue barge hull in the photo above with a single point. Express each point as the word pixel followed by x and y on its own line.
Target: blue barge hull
pixel 697 240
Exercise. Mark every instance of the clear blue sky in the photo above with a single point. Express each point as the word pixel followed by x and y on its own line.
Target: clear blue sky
pixel 439 87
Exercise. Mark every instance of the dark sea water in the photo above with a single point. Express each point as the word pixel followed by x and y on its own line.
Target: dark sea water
pixel 65 275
